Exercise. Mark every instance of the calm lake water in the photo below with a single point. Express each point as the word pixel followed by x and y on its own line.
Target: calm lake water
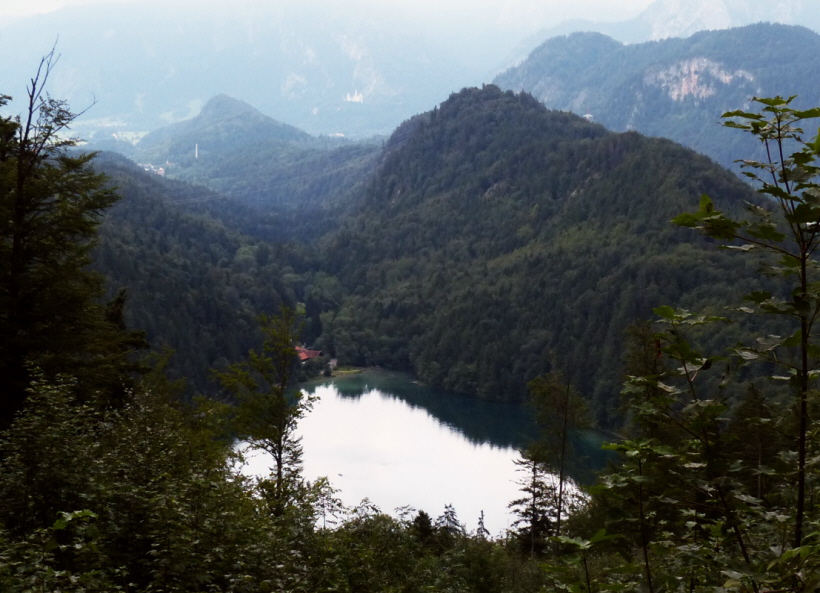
pixel 379 435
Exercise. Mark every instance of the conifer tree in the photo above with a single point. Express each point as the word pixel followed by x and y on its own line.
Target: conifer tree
pixel 559 410
pixel 51 202
pixel 536 509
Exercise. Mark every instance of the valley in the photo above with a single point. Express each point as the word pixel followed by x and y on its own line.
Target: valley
pixel 450 251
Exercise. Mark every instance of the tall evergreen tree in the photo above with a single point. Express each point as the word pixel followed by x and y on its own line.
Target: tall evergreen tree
pixel 536 510
pixel 51 202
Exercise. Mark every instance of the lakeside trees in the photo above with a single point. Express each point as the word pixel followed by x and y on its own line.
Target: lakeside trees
pixel 266 412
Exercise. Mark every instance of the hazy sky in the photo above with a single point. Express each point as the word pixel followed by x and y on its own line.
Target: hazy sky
pixel 559 9
pixel 453 43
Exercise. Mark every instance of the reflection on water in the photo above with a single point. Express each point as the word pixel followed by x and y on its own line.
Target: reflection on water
pixel 380 436
pixel 481 422
pixel 500 424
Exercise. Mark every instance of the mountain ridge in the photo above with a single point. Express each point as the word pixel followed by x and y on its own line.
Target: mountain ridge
pixel 677 88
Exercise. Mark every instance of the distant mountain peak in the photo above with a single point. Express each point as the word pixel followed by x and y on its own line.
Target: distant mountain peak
pixel 222 105
pixel 664 19
pixel 222 109
pixel 682 18
pixel 226 123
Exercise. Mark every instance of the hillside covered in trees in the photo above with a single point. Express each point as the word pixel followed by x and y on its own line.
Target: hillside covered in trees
pixel 195 281
pixel 492 240
pixel 498 240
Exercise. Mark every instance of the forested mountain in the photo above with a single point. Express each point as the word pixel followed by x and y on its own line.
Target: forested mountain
pixel 494 236
pixel 675 88
pixel 489 240
pixel 268 166
pixel 224 125
pixel 499 239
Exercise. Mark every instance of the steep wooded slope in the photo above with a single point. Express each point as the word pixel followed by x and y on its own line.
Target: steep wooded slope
pixel 194 283
pixel 498 239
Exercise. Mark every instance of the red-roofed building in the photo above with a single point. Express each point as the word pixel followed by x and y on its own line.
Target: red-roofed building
pixel 305 354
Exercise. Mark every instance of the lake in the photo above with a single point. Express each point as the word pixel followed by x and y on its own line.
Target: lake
pixel 379 435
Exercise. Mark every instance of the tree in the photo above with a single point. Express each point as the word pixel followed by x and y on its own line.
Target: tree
pixel 51 203
pixel 559 410
pixel 789 177
pixel 712 501
pixel 535 510
pixel 266 414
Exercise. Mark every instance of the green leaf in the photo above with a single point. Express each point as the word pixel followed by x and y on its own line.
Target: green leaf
pixel 720 227
pixel 779 193
pixel 808 113
pixel 790 261
pixel 773 102
pixel 804 213
pixel 769 342
pixel 686 220
pixel 601 536
pixel 705 205
pixel 794 340
pixel 758 296
pixel 743 114
pixel 664 311
pixel 747 354
pixel 733 574
pixel 766 232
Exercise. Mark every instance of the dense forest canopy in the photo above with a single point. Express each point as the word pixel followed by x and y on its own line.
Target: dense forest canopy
pixel 195 283
pixel 498 239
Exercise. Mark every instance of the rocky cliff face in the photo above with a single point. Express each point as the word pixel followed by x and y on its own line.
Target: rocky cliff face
pixel 697 78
